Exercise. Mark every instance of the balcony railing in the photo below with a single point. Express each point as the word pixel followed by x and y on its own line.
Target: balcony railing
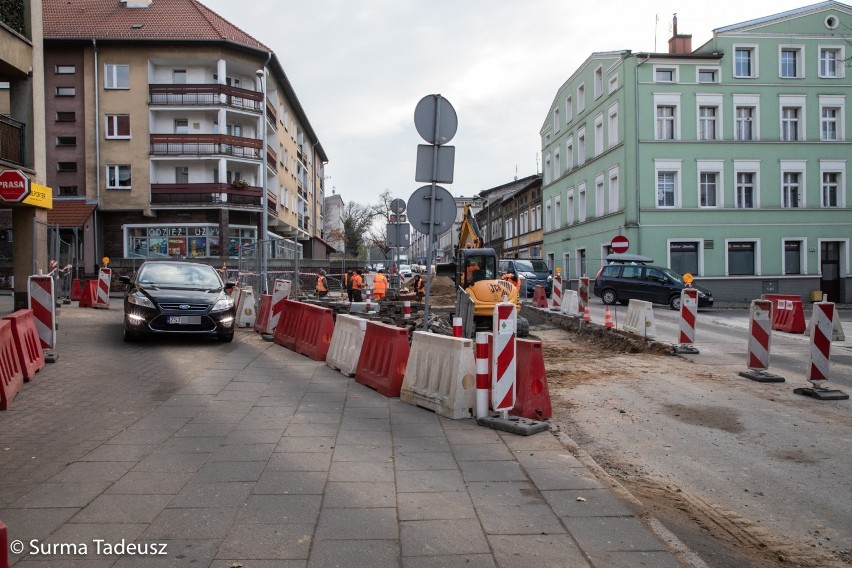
pixel 205 94
pixel 271 115
pixel 205 145
pixel 12 135
pixel 211 194
pixel 271 158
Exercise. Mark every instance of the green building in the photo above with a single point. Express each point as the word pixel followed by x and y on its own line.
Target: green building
pixel 728 162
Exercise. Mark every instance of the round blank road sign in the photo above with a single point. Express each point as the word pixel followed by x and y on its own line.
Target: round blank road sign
pixel 427 110
pixel 419 205
pixel 619 244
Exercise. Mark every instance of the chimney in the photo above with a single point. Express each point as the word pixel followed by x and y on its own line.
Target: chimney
pixel 137 3
pixel 679 43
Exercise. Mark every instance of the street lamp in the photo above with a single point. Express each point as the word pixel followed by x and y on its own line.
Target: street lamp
pixel 264 205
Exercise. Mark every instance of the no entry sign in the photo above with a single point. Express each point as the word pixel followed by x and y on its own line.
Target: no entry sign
pixel 619 244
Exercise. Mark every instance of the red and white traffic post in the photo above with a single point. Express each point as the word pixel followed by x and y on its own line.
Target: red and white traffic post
pixel 556 294
pixel 820 353
pixel 101 300
pixel 457 327
pixel 280 292
pixel 688 316
pixel 406 309
pixel 504 359
pixel 42 301
pixel 759 336
pixel 482 378
pixel 583 294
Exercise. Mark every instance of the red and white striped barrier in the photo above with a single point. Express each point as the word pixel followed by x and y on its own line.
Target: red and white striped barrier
pixel 406 310
pixel 503 358
pixel 42 302
pixel 280 292
pixel 820 352
pixel 556 294
pixel 368 299
pixel 482 378
pixel 457 327
pixel 101 300
pixel 688 315
pixel 583 294
pixel 759 336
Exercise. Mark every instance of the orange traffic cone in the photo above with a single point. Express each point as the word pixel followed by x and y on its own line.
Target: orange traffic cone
pixel 586 315
pixel 608 323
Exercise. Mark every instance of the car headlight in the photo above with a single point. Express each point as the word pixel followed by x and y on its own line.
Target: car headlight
pixel 225 303
pixel 140 300
pixel 550 278
pixel 701 294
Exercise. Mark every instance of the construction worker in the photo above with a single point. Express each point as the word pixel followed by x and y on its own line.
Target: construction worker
pixel 472 267
pixel 358 285
pixel 380 285
pixel 322 284
pixel 513 278
pixel 419 286
pixel 347 283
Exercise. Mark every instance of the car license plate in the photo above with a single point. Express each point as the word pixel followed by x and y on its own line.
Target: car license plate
pixel 183 320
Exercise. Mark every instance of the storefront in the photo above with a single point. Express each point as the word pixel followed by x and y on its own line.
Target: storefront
pixel 195 240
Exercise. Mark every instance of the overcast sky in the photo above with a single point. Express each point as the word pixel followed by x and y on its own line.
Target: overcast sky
pixel 359 67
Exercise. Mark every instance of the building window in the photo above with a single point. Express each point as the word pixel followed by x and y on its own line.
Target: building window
pixel 179 77
pixel 569 204
pixel 708 75
pixel 612 114
pixel 569 110
pixel 665 74
pixel 66 116
pixel 831 62
pixel 707 122
pixel 828 129
pixel 116 76
pixel 66 167
pixel 182 174
pixel 830 189
pixel 744 123
pixel 65 69
pixel 118 126
pixel 118 176
pixel 581 262
pixel 547 168
pixel 581 146
pixel 745 195
pixel 793 257
pixel 66 140
pixel 67 191
pixel 598 82
pixel 66 91
pixel 537 218
pixel 548 212
pixel 745 61
pixel 581 202
pixel 600 204
pixel 557 212
pixel 581 98
pixel 790 117
pixel 665 122
pixel 791 189
pixel 599 135
pixel 614 192
pixel 683 256
pixel 666 188
pixel 569 154
pixel 741 258
pixel 181 126
pixel 613 83
pixel 791 62
pixel 708 189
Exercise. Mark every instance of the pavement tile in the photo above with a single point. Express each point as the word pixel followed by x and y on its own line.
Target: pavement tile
pixel 200 495
pixel 291 482
pixel 435 505
pixel 429 481
pixel 357 424
pixel 595 503
pixel 355 453
pixel 361 471
pixel 28 524
pixel 260 542
pixel 366 412
pixel 510 493
pixel 190 524
pixel 540 441
pixel 562 478
pixel 194 445
pixel 368 437
pixel 473 435
pixel 492 471
pixel 214 417
pixel 239 452
pixel 66 562
pixel 278 401
pixel 172 463
pixel 281 509
pixel 87 533
pixel 52 495
pixel 190 553
pixel 610 534
pixel 354 553
pixel 322 430
pixel 119 452
pixel 417 429
pixel 92 471
pixel 522 551
pixel 419 445
pixel 442 561
pixel 482 452
pixel 519 519
pixel 189 400
pixel 194 429
pixel 360 494
pixel 300 461
pixel 149 483
pixel 253 436
pixel 439 537
pixel 156 422
pixel 156 437
pixel 424 461
pixel 635 559
pixel 265 423
pixel 122 509
pixel 300 417
pixel 215 472
pixel 357 524
pixel 278 563
pixel 539 459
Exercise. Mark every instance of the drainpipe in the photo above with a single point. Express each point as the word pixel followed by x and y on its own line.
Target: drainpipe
pixel 97 155
pixel 636 118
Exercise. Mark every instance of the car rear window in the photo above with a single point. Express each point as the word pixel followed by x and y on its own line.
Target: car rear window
pixel 611 271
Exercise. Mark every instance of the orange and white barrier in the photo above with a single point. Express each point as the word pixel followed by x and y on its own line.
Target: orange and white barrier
pixel 556 294
pixel 439 375
pixel 246 312
pixel 688 317
pixel 482 375
pixel 264 306
pixel 384 357
pixel 11 376
pixel 286 333
pixel 42 302
pixel 539 297
pixel 583 293
pixel 640 319
pixel 759 341
pixel 101 299
pixel 280 292
pixel 820 353
pixel 314 332
pixel 571 304
pixel 27 342
pixel 533 396
pixel 503 361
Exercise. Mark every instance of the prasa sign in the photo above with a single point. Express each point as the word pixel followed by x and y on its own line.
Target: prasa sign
pixel 14 186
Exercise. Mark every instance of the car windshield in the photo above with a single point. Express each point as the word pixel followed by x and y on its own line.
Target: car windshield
pixel 178 276
pixel 672 274
pixel 530 266
pixel 405 267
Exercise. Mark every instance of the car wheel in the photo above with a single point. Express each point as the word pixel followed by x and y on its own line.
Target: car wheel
pixel 227 338
pixel 609 297
pixel 674 302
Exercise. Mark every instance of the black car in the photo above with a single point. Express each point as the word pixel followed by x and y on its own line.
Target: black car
pixel 171 296
pixel 638 281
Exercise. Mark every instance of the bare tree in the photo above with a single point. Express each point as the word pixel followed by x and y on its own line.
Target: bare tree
pixel 357 220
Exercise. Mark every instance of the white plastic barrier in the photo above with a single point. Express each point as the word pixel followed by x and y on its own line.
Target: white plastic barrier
pixel 570 303
pixel 346 342
pixel 640 319
pixel 246 308
pixel 441 375
pixel 837 333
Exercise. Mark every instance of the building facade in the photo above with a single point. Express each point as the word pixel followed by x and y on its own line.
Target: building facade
pixel 729 161
pixel 333 221
pixel 445 244
pixel 495 220
pixel 173 121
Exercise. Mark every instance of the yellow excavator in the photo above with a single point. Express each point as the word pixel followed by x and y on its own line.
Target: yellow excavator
pixel 475 272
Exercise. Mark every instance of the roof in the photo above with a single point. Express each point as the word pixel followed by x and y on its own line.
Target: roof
pixel 783 15
pixel 162 20
pixel 70 212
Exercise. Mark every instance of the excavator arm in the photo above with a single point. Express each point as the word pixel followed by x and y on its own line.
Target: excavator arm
pixel 469 234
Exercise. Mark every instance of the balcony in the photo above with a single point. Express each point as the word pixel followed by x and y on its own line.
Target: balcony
pixel 271 158
pixel 271 116
pixel 11 140
pixel 206 94
pixel 211 195
pixel 205 145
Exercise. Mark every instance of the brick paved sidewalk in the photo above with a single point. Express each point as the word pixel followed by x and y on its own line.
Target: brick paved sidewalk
pixel 248 454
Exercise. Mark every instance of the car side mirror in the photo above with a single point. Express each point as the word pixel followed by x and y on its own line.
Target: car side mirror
pixel 124 279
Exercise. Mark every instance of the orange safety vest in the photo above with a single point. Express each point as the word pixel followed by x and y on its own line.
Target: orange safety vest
pixel 421 285
pixel 322 285
pixel 357 282
pixel 470 270
pixel 380 283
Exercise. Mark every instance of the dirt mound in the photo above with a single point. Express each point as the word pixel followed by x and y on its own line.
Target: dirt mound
pixel 443 291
